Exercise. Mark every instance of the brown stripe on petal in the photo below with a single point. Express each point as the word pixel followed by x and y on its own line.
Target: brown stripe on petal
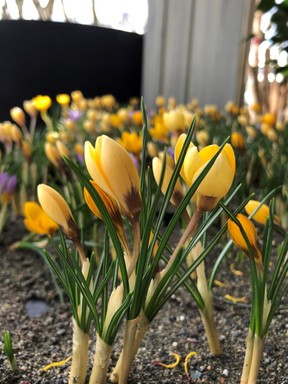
pixel 133 202
pixel 72 230
pixel 176 197
pixel 110 203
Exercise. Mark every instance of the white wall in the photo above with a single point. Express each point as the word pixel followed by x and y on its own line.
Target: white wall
pixel 196 48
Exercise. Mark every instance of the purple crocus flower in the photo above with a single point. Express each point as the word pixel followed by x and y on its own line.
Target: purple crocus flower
pixel 7 183
pixel 74 115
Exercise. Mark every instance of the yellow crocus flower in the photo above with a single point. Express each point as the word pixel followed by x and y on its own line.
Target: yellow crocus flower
pixel 109 202
pixel 269 118
pixel 159 131
pixel 37 221
pixel 218 180
pixel 18 115
pixel 112 168
pixel 250 231
pixel 262 214
pixel 132 142
pixel 63 99
pixel 177 194
pixel 29 107
pixel 42 103
pixel 58 210
pixel 53 155
pixel 174 121
pixel 237 140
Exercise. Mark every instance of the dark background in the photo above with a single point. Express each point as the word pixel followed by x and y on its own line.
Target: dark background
pixel 39 57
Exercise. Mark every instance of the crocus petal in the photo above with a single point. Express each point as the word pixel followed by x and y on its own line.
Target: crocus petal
pixel 250 231
pixel 218 180
pixel 179 146
pixel 191 164
pixel 112 168
pixel 36 220
pixel 157 165
pixel 57 209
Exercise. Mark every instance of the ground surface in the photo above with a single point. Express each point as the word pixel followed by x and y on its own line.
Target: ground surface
pixel 40 340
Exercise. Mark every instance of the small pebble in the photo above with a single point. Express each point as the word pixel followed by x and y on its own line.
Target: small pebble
pixel 174 344
pixel 225 372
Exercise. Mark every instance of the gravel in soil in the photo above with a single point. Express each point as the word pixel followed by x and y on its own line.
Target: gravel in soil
pixel 47 337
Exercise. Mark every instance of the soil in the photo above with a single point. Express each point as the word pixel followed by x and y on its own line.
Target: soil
pixel 40 339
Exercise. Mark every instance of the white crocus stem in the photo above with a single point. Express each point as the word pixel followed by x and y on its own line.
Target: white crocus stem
pixel 248 357
pixel 258 347
pixel 206 313
pixel 128 349
pixel 78 369
pixel 101 362
pixel 142 329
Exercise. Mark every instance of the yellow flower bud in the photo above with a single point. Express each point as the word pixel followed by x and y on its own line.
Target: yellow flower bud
pixel 52 154
pixel 26 149
pixel 174 121
pixel 70 125
pixel 37 221
pixel 112 168
pixel 177 194
pixel 202 138
pixel 29 107
pixel 251 132
pixel 16 133
pixel 237 140
pixel 58 210
pixel 89 126
pixel 218 180
pixel 17 114
pixel 42 103
pixel 262 214
pixel 108 101
pixel 131 142
pixel 171 103
pixel 269 118
pixel 92 115
pixel 51 137
pixel 256 107
pixel 250 231
pixel 160 101
pixel 272 135
pixel 137 118
pixel 76 96
pixel 63 99
pixel 152 149
pixel 110 204
pixel 62 149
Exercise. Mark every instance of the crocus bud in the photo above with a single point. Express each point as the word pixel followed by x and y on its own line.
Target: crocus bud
pixel 17 114
pixel 177 194
pixel 29 107
pixel 112 168
pixel 262 214
pixel 174 121
pixel 16 133
pixel 109 202
pixel 250 231
pixel 37 221
pixel 62 149
pixel 237 140
pixel 219 178
pixel 42 103
pixel 53 155
pixel 58 210
pixel 63 99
